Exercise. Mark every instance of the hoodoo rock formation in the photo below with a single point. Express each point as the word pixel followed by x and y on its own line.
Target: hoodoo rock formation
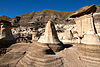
pixel 38 59
pixel 68 36
pixel 83 11
pixel 6 36
pixel 50 38
pixel 44 51
pixel 89 41
pixel 43 47
pixel 34 35
pixel 85 24
pixel 86 27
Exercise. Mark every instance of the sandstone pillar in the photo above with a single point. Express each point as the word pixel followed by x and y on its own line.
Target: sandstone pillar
pixel 86 29
pixel 50 37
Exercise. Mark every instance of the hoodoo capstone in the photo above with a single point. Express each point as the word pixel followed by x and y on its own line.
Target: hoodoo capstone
pixel 86 27
pixel 50 38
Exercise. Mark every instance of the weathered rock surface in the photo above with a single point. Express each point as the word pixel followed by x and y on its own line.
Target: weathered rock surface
pixel 91 39
pixel 30 55
pixel 39 58
pixel 50 37
pixel 86 27
pixel 6 37
pixel 67 36
pixel 85 24
pixel 89 54
pixel 41 54
pixel 84 10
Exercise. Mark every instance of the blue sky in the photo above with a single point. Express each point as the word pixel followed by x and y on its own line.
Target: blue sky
pixel 14 8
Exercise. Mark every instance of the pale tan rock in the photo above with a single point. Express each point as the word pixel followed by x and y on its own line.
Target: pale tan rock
pixel 50 35
pixel 50 38
pixel 91 39
pixel 34 36
pixel 67 36
pixel 85 24
pixel 87 30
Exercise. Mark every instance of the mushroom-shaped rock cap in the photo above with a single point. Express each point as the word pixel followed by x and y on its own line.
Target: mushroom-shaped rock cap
pixel 84 10
pixel 50 34
pixel 50 38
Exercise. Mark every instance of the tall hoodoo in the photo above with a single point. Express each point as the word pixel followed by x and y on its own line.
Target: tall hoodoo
pixel 42 56
pixel 85 24
pixel 86 28
pixel 50 37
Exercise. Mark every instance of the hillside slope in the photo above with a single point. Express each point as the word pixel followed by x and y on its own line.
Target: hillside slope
pixel 4 17
pixel 45 15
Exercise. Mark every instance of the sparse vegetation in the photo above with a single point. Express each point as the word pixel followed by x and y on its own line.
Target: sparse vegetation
pixel 4 17
pixel 50 12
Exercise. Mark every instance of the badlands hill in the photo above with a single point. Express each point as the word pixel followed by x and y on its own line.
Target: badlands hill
pixel 4 17
pixel 43 17
pixel 46 15
pixel 49 50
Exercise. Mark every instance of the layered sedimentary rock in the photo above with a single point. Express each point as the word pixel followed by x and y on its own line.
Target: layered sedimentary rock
pixel 32 55
pixel 85 24
pixel 87 30
pixel 41 54
pixel 90 54
pixel 50 38
pixel 6 36
pixel 89 50
pixel 39 59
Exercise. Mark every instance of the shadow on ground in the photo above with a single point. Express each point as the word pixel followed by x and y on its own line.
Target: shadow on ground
pixel 67 45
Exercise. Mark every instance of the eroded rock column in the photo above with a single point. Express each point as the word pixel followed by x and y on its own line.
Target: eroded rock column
pixel 50 38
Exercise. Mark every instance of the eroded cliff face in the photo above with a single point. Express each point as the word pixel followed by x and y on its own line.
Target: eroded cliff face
pixel 52 15
pixel 46 15
pixel 38 20
pixel 43 17
pixel 34 54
